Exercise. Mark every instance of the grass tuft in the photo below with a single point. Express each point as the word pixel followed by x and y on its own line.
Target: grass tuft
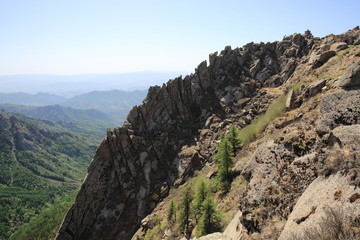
pixel 257 127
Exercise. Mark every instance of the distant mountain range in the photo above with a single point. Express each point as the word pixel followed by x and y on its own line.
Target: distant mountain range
pixel 87 121
pixel 115 103
pixel 71 85
pixel 39 99
pixel 113 106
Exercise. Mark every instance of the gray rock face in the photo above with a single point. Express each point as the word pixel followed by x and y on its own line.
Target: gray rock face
pixel 339 108
pixel 310 210
pixel 176 129
pixel 346 135
pixel 278 173
pixel 276 178
pixel 262 174
pixel 351 77
pixel 171 134
pixel 315 87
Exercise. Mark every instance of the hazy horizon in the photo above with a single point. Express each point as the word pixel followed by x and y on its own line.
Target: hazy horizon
pixel 71 85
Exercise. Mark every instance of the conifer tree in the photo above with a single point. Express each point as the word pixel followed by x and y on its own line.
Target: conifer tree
pixel 171 217
pixel 200 195
pixel 209 221
pixel 224 158
pixel 185 211
pixel 233 136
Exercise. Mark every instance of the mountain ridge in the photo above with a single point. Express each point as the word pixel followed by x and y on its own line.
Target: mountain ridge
pixel 176 129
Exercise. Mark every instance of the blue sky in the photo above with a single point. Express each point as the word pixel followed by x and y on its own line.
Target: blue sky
pixel 75 36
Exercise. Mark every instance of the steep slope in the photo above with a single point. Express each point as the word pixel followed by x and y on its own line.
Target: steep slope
pixel 88 121
pixel 176 129
pixel 299 177
pixel 38 161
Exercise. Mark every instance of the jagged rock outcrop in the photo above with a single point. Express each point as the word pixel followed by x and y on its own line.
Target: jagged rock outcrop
pixel 279 173
pixel 323 145
pixel 176 129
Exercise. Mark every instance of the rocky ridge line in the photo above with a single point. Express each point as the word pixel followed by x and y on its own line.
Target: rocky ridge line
pixel 175 131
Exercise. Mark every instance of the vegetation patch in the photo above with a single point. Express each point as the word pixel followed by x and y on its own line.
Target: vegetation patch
pixel 257 127
pixel 45 225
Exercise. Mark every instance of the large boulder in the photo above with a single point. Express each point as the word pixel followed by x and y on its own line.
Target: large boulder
pixel 351 77
pixel 322 58
pixel 324 202
pixel 339 108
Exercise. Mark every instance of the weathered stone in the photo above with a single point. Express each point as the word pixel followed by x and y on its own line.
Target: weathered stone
pixel 351 76
pixel 322 58
pixel 339 46
pixel 255 68
pixel 290 100
pixel 212 58
pixel 308 34
pixel 234 230
pixel 339 108
pixel 263 176
pixel 346 135
pixel 315 201
pixel 263 76
pixel 298 40
pixel 315 87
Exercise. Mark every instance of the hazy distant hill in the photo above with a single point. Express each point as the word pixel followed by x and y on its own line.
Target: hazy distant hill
pixel 116 103
pixel 88 121
pixel 38 99
pixel 39 161
pixel 71 85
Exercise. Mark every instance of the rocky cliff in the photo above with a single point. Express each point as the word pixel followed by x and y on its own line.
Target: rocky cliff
pixel 176 129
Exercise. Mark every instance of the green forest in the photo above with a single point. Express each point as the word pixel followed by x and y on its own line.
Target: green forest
pixel 42 166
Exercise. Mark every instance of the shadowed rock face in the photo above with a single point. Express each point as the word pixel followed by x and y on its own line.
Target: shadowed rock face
pixel 172 133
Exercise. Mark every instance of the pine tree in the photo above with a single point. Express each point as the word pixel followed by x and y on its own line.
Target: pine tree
pixel 224 158
pixel 185 211
pixel 233 136
pixel 171 217
pixel 209 221
pixel 200 195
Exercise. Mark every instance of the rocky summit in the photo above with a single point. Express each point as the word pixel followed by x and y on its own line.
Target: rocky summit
pixel 304 163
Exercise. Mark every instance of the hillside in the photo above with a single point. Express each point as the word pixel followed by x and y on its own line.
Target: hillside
pixel 39 162
pixel 295 103
pixel 88 121
pixel 115 103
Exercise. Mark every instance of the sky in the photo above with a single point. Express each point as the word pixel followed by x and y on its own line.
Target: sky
pixel 87 36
